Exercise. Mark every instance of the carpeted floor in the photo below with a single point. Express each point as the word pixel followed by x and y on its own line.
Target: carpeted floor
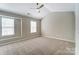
pixel 39 46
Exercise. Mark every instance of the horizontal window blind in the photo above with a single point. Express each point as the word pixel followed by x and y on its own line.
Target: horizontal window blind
pixel 33 26
pixel 9 27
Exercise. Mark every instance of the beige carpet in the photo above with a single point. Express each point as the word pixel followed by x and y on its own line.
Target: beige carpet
pixel 39 46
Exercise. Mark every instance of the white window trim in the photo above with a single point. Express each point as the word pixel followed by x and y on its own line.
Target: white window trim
pixel 9 36
pixel 30 26
pixel 8 26
pixel 6 36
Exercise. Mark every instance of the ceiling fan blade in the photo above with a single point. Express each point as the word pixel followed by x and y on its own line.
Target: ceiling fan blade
pixel 40 6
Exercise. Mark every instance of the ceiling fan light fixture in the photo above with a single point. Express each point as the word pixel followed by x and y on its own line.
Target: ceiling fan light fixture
pixel 38 10
pixel 28 13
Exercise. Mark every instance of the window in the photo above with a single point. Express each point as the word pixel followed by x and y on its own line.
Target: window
pixel 10 27
pixel 7 26
pixel 33 26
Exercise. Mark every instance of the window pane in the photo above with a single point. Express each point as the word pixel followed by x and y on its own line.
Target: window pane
pixel 7 22
pixel 7 26
pixel 33 26
pixel 7 31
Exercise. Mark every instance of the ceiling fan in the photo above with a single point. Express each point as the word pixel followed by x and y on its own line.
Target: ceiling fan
pixel 38 6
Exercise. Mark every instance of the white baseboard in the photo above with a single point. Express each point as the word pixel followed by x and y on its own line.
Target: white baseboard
pixel 17 40
pixel 60 39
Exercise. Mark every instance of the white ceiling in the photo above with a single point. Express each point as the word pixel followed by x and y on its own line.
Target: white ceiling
pixel 25 8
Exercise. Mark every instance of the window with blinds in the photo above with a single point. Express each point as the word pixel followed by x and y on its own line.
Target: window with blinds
pixel 9 27
pixel 33 27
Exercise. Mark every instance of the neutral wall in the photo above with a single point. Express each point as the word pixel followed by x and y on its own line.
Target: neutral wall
pixel 24 28
pixel 59 25
pixel 77 29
